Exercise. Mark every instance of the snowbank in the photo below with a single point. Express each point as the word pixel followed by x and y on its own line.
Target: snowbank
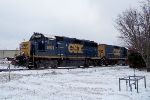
pixel 99 83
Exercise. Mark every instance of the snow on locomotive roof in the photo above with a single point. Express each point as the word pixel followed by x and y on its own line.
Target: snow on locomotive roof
pixel 49 36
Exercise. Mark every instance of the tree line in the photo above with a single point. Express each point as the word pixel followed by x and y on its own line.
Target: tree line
pixel 133 25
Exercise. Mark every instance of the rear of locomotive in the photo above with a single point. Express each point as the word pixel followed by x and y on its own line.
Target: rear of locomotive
pixel 111 55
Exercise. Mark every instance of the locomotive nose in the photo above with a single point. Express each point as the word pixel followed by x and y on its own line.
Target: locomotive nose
pixel 14 61
pixel 19 60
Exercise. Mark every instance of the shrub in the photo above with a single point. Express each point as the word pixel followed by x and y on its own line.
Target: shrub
pixel 135 60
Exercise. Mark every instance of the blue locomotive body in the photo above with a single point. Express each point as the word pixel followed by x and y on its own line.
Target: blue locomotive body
pixel 56 51
pixel 56 47
pixel 115 51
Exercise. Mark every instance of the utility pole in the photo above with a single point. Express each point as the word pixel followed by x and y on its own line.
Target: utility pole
pixel 148 33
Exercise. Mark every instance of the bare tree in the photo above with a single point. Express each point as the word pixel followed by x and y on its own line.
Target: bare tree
pixel 134 28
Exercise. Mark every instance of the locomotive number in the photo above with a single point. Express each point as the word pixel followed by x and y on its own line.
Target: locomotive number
pixel 116 52
pixel 50 47
pixel 75 48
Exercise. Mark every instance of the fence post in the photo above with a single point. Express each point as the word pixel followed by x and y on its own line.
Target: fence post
pixel 9 71
pixel 145 81
pixel 126 85
pixel 119 85
pixel 137 87
pixel 129 80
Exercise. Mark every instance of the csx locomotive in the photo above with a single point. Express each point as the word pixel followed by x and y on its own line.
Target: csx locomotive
pixel 55 51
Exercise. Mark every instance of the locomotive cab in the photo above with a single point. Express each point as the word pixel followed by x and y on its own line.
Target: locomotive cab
pixel 40 49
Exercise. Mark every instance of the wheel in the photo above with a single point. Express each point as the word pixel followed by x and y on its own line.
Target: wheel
pixel 86 65
pixel 29 67
pixel 104 61
pixel 54 66
pixel 35 66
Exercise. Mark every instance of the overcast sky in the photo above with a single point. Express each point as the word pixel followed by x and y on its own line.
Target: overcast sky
pixel 83 19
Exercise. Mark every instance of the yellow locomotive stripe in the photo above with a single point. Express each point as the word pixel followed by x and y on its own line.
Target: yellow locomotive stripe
pixel 59 57
pixel 117 58
pixel 96 58
pixel 76 57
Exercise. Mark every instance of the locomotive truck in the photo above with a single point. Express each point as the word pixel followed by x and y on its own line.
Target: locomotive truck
pixel 43 50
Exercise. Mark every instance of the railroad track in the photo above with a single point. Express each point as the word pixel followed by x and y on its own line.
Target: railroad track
pixel 5 70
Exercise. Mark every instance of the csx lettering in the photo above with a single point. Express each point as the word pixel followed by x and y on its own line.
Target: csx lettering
pixel 116 52
pixel 50 47
pixel 75 48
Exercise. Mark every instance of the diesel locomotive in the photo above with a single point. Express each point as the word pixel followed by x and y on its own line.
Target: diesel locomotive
pixel 44 50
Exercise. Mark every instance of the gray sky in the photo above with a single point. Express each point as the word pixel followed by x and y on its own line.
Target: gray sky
pixel 84 19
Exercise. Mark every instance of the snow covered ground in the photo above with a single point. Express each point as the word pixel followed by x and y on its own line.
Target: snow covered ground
pixel 99 83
